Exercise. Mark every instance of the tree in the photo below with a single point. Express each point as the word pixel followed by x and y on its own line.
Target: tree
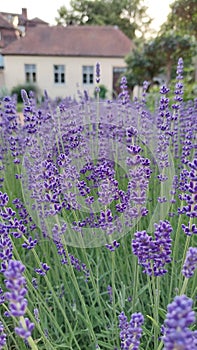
pixel 176 38
pixel 157 55
pixel 172 45
pixel 129 16
pixel 183 17
pixel 183 20
pixel 143 63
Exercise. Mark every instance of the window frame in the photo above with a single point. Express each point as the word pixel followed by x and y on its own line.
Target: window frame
pixel 30 73
pixel 59 74
pixel 88 75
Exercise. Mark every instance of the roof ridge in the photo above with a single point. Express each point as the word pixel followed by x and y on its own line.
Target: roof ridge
pixel 72 41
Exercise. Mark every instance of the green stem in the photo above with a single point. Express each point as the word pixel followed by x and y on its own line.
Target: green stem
pixel 40 301
pixel 74 280
pixel 49 285
pixel 160 346
pixel 113 292
pixel 135 283
pixel 183 259
pixel 183 289
pixel 150 291
pixel 156 293
pixel 175 257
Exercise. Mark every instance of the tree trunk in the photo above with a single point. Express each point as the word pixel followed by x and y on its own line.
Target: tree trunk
pixel 168 71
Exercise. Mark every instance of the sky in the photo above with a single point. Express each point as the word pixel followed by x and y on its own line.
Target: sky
pixel 47 9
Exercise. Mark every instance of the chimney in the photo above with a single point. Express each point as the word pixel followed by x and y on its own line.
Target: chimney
pixel 24 12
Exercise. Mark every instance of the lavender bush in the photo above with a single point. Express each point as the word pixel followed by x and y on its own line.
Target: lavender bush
pixel 98 207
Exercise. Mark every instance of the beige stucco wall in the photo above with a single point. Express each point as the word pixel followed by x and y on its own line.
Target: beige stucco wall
pixel 14 73
pixel 2 79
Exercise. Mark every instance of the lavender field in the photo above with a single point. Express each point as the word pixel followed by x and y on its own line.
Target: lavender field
pixel 98 207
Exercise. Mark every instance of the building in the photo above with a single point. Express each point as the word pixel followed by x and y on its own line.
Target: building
pixel 8 34
pixel 63 59
pixel 12 27
pixel 20 21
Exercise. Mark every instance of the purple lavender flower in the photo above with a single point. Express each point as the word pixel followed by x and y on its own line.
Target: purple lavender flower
pixel 110 293
pixel 30 244
pixel 2 298
pixel 25 328
pixel 2 336
pixel 34 283
pixel 145 89
pixel 98 72
pixel 130 332
pixel 15 283
pixel 3 199
pixel 179 86
pixel 153 254
pixel 78 265
pixel 164 90
pixel 43 270
pixel 190 263
pixel 6 247
pixel 124 95
pixel 112 246
pixel 188 185
pixel 189 230
pixel 179 318
pixel 36 314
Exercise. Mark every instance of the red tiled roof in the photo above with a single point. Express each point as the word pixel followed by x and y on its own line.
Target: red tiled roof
pixel 102 41
pixel 36 21
pixel 4 23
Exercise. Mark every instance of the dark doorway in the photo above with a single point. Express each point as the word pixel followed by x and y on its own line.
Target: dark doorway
pixel 118 72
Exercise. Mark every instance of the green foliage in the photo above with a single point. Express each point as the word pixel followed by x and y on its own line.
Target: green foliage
pixel 153 96
pixel 143 63
pixel 177 38
pixel 16 90
pixel 182 20
pixel 102 92
pixel 183 17
pixel 173 45
pixel 128 16
pixel 157 55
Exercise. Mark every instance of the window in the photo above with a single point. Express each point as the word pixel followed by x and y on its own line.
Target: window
pixel 119 70
pixel 88 74
pixel 30 73
pixel 1 62
pixel 59 74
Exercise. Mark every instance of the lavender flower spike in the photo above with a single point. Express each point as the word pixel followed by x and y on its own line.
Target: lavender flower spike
pixel 2 336
pixel 25 328
pixel 190 263
pixel 15 283
pixel 180 316
pixel 98 72
pixel 131 332
pixel 153 255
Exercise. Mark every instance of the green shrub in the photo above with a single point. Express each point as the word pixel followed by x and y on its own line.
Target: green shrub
pixel 16 90
pixel 102 91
